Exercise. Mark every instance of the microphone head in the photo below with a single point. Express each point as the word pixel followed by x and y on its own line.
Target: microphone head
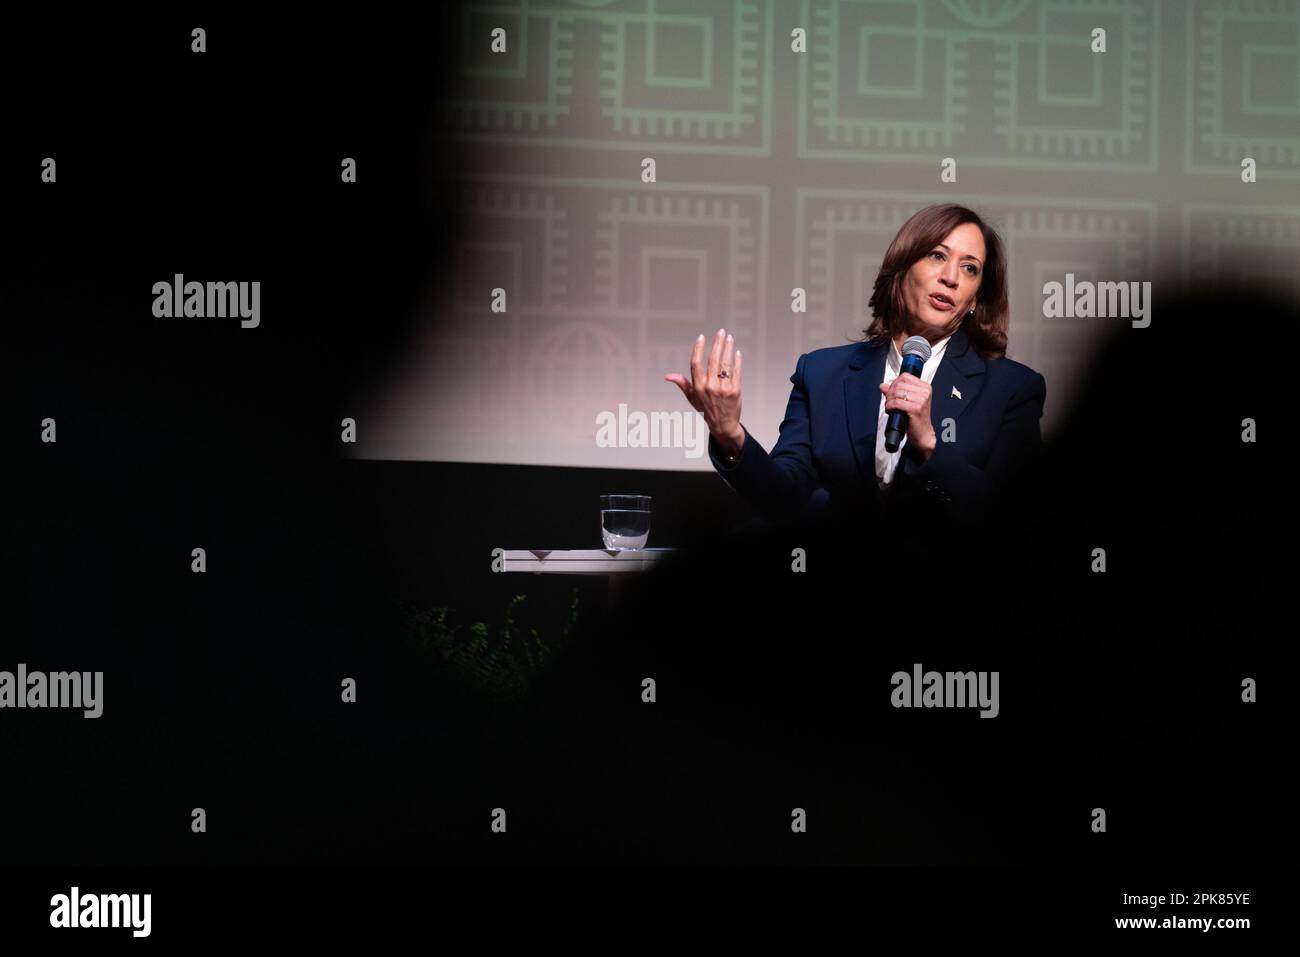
pixel 916 346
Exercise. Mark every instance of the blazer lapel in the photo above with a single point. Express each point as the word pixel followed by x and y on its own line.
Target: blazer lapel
pixel 862 402
pixel 961 369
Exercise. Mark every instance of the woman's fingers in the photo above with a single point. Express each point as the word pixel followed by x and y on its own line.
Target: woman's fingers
pixel 697 363
pixel 715 355
pixel 728 346
pixel 915 388
pixel 717 399
pixel 680 382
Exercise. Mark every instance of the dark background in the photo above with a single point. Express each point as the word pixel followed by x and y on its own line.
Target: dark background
pixel 222 690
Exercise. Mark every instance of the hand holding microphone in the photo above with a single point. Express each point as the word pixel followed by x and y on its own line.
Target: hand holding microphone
pixel 907 400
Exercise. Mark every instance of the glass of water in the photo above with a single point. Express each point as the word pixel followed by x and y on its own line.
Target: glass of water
pixel 624 521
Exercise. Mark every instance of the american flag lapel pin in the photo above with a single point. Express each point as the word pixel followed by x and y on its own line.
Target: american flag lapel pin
pixel 955 393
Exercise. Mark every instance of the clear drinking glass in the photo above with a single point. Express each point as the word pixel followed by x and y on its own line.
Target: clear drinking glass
pixel 624 521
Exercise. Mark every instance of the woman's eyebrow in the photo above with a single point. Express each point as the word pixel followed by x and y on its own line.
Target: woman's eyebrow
pixel 967 256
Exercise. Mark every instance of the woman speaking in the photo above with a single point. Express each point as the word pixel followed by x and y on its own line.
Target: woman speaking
pixel 967 422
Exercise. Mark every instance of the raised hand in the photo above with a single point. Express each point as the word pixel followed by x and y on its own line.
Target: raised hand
pixel 714 389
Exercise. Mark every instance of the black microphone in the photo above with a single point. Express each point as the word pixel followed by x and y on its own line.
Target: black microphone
pixel 915 352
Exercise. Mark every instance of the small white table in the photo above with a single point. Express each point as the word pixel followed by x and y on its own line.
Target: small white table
pixel 585 561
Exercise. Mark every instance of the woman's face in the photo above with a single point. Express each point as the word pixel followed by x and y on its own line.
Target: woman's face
pixel 952 271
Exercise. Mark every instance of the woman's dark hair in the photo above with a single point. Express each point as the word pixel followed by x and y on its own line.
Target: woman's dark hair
pixel 927 228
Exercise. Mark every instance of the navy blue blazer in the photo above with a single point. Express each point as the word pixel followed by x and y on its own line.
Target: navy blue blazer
pixel 825 454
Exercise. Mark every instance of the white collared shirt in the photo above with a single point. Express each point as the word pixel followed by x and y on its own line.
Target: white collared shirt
pixel 886 463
